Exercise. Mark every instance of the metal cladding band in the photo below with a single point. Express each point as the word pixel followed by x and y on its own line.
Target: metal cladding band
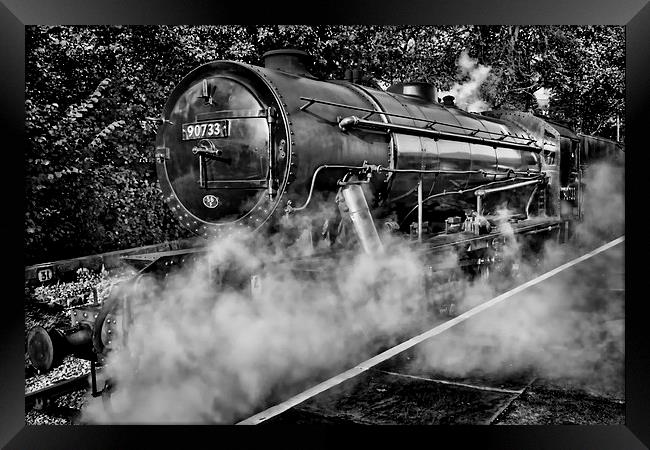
pixel 372 362
pixel 355 122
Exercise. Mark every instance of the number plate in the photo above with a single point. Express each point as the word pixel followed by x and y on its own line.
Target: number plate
pixel 44 274
pixel 202 130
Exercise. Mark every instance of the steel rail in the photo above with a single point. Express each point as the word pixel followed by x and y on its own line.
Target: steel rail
pixel 453 383
pixel 58 388
pixel 372 362
pixel 505 406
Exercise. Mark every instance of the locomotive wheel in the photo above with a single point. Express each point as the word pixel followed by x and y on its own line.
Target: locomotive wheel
pixel 40 348
pixel 46 348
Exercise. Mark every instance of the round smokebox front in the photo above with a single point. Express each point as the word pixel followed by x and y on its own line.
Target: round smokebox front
pixel 216 152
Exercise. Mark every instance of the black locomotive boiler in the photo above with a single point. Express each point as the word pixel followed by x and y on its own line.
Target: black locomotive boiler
pixel 239 143
pixel 246 147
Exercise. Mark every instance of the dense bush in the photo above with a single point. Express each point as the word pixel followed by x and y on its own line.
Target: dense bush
pixel 90 175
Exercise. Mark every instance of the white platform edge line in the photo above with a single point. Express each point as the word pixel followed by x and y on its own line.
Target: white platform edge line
pixel 360 368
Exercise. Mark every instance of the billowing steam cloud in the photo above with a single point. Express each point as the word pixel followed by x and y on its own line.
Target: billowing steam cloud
pixel 570 329
pixel 197 353
pixel 604 204
pixel 467 94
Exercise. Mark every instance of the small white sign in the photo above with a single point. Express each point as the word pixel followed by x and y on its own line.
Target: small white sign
pixel 44 274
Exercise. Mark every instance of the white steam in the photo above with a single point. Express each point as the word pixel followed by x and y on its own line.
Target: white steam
pixel 570 328
pixel 467 93
pixel 197 353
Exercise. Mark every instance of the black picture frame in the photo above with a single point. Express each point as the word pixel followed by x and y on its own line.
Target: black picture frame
pixel 15 14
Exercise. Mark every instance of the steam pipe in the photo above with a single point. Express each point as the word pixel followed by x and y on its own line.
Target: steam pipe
pixel 359 212
pixel 415 171
pixel 420 209
pixel 457 172
pixel 482 192
pixel 313 182
pixel 538 179
pixel 530 200
pixel 460 172
pixel 355 122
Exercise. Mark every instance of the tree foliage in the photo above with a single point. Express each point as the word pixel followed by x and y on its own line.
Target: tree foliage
pixel 90 175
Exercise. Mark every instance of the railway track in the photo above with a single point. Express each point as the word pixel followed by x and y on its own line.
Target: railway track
pixel 41 398
pixel 386 389
pixel 512 394
pixel 56 397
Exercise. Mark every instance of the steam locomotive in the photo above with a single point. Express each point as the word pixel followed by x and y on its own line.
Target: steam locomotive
pixel 242 147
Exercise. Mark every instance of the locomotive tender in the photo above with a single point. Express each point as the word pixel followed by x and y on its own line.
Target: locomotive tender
pixel 242 146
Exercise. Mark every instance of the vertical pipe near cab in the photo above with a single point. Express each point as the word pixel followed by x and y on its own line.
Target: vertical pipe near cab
pixel 420 209
pixel 359 212
pixel 479 204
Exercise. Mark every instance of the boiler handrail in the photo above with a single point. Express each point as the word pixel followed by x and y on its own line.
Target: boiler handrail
pixel 355 122
pixel 310 101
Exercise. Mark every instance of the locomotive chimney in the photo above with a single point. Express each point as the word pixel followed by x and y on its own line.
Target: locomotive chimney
pixel 287 60
pixel 425 91
pixel 448 100
pixel 357 75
